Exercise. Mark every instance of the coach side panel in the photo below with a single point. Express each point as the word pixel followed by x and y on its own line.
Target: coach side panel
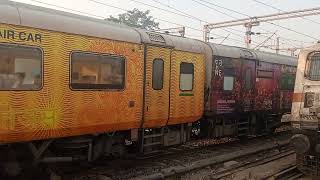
pixel 56 85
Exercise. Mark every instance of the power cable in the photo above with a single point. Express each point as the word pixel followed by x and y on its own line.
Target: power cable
pixel 122 9
pixel 185 14
pixel 166 5
pixel 288 29
pixel 68 9
pixel 268 5
pixel 161 9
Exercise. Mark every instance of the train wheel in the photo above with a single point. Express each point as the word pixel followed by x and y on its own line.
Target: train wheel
pixel 12 168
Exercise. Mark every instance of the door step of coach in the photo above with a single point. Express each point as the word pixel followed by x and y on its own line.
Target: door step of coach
pixel 151 141
pixel 243 127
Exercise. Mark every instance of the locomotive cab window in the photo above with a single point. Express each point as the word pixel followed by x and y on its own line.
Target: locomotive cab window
pixel 313 67
pixel 157 74
pixel 97 71
pixel 20 68
pixel 186 76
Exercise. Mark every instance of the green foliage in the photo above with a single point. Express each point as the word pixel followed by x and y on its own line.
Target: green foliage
pixel 136 18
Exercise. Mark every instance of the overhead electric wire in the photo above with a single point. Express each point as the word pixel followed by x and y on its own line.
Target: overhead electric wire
pixel 173 22
pixel 166 5
pixel 283 27
pixel 222 13
pixel 201 20
pixel 268 5
pixel 93 15
pixel 266 40
pixel 228 9
pixel 122 9
pixel 250 17
pixel 68 9
pixel 126 10
pixel 185 14
pixel 161 9
pixel 199 30
pixel 108 5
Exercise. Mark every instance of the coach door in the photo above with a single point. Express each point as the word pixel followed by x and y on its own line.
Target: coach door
pixel 156 108
pixel 248 84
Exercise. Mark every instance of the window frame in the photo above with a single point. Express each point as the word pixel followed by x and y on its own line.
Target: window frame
pixel 233 82
pixel 229 71
pixel 251 79
pixel 41 67
pixel 308 65
pixel 98 54
pixel 192 76
pixel 286 88
pixel 266 77
pixel 153 62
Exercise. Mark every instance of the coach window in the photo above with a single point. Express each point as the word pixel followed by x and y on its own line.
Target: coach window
pixel 97 71
pixel 157 74
pixel 20 68
pixel 228 79
pixel 186 76
pixel 313 71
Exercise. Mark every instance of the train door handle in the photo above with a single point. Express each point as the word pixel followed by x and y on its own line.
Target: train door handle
pixel 131 104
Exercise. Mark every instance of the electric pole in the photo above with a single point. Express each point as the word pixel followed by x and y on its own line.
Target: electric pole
pixel 278 45
pixel 250 22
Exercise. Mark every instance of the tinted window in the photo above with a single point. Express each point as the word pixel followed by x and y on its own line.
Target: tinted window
pixel 314 67
pixel 287 81
pixel 97 71
pixel 186 76
pixel 20 68
pixel 157 74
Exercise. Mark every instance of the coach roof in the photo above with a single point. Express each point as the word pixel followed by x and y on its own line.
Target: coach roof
pixel 43 18
pixel 49 19
pixel 276 58
pixel 238 52
pixel 232 51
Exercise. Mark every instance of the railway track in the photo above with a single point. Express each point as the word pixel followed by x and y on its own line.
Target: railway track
pixel 254 162
pixel 184 160
pixel 288 173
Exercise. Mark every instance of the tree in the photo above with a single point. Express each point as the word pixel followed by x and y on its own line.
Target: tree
pixel 136 18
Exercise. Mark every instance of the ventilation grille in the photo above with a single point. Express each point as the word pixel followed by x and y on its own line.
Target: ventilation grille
pixel 156 38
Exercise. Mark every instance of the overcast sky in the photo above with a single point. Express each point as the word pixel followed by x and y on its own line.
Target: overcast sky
pixel 202 13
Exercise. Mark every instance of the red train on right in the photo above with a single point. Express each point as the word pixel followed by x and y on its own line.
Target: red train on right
pixel 306 111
